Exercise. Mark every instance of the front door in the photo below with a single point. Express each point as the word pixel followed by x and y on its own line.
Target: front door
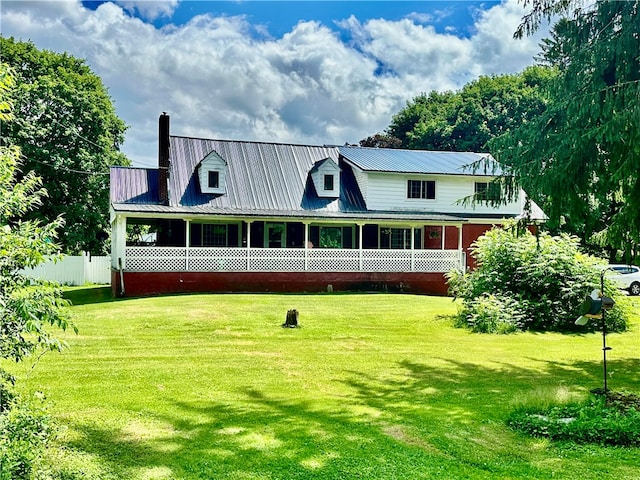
pixel 275 235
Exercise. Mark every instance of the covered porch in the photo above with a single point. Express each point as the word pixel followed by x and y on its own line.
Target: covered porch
pixel 275 254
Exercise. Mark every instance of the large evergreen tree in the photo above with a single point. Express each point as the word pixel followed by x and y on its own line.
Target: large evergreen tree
pixel 68 131
pixel 580 159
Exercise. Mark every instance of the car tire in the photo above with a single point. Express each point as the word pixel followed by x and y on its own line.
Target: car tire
pixel 634 288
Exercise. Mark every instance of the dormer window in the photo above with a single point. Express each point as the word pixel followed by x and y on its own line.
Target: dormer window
pixel 214 179
pixel 326 178
pixel 328 183
pixel 212 173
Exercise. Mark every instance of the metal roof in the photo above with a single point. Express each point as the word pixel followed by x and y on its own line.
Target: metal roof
pixel 260 176
pixel 272 180
pixel 137 186
pixel 414 161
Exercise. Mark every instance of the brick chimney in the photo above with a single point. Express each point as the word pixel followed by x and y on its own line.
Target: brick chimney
pixel 163 159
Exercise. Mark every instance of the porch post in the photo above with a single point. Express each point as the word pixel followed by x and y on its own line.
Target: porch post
pixel 306 245
pixel 360 225
pixel 187 237
pixel 413 254
pixel 118 241
pixel 248 264
pixel 463 267
pixel 444 232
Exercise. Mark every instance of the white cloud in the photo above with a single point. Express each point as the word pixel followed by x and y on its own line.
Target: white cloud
pixel 218 79
pixel 150 9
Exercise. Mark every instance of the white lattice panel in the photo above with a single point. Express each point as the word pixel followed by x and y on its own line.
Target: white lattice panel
pixel 210 259
pixel 155 259
pixel 436 260
pixel 333 260
pixel 386 260
pixel 217 259
pixel 276 260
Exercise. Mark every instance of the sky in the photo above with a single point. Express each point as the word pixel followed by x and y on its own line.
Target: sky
pixel 304 72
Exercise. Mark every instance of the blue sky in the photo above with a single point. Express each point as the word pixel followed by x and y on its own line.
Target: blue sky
pixel 278 17
pixel 299 72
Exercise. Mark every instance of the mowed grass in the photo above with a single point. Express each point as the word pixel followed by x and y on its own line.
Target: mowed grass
pixel 372 386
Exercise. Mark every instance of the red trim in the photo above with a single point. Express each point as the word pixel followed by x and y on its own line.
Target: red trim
pixel 156 283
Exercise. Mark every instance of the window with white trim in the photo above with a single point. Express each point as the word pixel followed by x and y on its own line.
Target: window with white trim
pixel 487 191
pixel 425 189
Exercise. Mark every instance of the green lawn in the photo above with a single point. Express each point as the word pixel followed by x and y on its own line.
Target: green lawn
pixel 370 387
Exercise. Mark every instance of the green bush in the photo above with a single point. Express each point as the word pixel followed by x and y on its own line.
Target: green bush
pixel 492 314
pixel 594 421
pixel 530 282
pixel 24 432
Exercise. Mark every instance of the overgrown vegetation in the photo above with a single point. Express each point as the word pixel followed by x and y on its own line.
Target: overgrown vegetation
pixel 28 308
pixel 612 419
pixel 529 282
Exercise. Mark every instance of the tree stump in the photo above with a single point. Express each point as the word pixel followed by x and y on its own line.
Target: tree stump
pixel 292 319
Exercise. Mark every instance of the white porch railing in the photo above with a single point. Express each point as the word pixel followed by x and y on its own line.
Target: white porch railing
pixel 208 259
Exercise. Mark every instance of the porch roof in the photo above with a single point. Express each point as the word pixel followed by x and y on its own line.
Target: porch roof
pixel 297 215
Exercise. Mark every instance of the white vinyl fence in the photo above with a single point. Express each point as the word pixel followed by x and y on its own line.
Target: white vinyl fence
pixel 74 270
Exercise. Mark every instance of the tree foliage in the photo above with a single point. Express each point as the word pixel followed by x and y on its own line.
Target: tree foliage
pixel 67 129
pixel 28 308
pixel 467 119
pixel 529 282
pixel 579 159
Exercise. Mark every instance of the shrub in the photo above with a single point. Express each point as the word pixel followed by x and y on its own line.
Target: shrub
pixel 24 431
pixel 540 281
pixel 597 420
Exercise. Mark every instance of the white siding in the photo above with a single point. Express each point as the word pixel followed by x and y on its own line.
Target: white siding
pixel 388 191
pixel 361 179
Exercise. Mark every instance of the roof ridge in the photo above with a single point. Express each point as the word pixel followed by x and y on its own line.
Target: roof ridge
pixel 187 137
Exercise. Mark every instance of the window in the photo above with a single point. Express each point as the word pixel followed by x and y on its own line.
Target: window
pixel 328 182
pixel 214 179
pixel 421 189
pixel 395 238
pixel 214 235
pixel 487 191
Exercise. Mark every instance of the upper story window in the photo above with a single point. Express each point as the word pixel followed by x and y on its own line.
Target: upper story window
pixel 421 189
pixel 214 179
pixel 486 191
pixel 328 182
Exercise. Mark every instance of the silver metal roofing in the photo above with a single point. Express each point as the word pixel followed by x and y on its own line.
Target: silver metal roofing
pixel 134 186
pixel 272 180
pixel 414 161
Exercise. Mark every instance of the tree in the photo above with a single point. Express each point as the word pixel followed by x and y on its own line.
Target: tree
pixel 28 308
pixel 67 129
pixel 467 119
pixel 580 158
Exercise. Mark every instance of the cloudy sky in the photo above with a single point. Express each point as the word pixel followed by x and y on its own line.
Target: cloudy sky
pixel 318 72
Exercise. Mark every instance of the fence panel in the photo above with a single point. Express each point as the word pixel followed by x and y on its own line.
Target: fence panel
pixel 74 270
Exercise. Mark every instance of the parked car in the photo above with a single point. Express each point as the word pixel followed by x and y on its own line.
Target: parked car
pixel 626 276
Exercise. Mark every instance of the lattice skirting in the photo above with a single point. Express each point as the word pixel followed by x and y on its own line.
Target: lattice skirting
pixel 176 259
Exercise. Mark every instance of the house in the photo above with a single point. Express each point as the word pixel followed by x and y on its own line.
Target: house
pixel 220 215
